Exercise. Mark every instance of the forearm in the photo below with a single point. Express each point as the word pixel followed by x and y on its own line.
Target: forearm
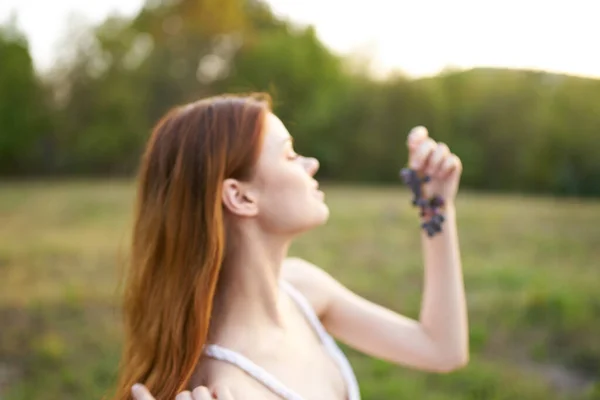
pixel 444 311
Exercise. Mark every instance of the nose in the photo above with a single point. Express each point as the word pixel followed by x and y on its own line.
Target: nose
pixel 312 165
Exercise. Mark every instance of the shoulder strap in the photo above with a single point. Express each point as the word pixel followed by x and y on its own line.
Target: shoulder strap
pixel 270 381
pixel 252 369
pixel 327 339
pixel 307 310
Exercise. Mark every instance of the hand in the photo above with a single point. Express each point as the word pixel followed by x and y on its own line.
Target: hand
pixel 140 392
pixel 427 156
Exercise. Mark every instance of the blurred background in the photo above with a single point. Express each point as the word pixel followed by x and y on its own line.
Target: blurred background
pixel 512 86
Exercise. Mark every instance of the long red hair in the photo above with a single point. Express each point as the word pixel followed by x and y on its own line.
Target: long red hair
pixel 178 236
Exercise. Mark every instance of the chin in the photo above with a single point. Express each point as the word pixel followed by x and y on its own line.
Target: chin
pixel 325 211
pixel 318 217
pixel 321 215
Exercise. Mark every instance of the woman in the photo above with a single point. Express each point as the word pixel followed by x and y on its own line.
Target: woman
pixel 211 298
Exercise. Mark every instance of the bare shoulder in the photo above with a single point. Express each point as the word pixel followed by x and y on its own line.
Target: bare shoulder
pixel 316 284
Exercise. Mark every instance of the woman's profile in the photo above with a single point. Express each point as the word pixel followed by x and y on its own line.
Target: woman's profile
pixel 213 303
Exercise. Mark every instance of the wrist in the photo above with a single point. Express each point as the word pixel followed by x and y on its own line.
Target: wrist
pixel 433 221
pixel 447 208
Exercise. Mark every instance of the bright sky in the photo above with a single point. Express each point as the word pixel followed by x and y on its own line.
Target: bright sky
pixel 420 37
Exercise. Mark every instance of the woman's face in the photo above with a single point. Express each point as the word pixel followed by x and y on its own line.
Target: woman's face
pixel 283 195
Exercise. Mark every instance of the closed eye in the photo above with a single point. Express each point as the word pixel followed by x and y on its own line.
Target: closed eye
pixel 291 154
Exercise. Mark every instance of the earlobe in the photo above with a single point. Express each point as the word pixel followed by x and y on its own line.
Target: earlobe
pixel 238 199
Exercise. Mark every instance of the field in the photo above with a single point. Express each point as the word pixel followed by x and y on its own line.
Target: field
pixel 531 270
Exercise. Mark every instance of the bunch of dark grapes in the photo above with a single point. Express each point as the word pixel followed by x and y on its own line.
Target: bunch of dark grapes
pixel 430 208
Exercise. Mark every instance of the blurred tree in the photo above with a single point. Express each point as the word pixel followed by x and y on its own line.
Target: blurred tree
pixel 514 130
pixel 24 118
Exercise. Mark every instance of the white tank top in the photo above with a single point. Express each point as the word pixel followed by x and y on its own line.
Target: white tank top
pixel 270 381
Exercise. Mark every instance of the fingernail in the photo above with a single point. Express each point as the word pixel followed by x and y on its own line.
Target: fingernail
pixel 417 131
pixel 413 134
pixel 136 389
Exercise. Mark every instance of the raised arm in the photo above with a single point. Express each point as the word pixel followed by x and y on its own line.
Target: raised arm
pixel 438 341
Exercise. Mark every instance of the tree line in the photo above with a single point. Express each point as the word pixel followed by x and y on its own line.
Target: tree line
pixel 90 115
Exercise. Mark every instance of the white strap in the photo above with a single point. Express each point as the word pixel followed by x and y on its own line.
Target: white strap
pixel 270 381
pixel 328 341
pixel 251 368
pixel 308 311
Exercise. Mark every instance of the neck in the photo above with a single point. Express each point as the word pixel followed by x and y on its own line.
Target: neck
pixel 248 291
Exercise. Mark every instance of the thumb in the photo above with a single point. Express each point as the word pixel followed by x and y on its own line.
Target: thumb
pixel 140 392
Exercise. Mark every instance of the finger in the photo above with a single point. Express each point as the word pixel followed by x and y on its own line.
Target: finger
pixel 201 393
pixel 458 167
pixel 450 165
pixel 185 395
pixel 437 158
pixel 140 392
pixel 223 393
pixel 421 154
pixel 416 136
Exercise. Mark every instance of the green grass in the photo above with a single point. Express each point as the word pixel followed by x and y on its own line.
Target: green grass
pixel 531 272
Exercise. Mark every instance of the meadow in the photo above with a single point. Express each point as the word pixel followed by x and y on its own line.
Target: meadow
pixel 531 267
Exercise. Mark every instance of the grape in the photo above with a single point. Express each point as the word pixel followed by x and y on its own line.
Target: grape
pixel 428 207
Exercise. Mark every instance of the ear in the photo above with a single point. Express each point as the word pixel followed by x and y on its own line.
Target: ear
pixel 239 199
